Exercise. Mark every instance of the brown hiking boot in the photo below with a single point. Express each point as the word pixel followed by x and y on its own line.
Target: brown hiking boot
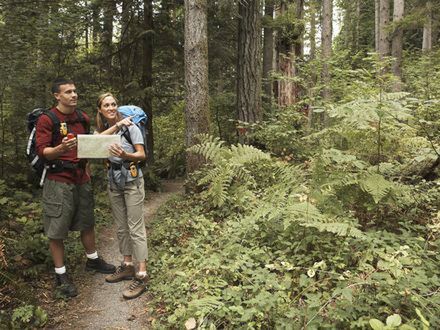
pixel 123 272
pixel 136 288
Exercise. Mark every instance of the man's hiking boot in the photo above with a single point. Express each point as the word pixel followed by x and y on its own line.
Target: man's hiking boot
pixel 136 288
pixel 100 266
pixel 123 272
pixel 64 286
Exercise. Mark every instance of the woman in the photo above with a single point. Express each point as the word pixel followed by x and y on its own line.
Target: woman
pixel 126 193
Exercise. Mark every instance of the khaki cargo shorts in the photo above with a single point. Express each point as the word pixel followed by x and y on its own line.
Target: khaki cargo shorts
pixel 67 207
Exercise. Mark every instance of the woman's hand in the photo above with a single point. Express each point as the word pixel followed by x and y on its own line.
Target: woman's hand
pixel 124 122
pixel 117 151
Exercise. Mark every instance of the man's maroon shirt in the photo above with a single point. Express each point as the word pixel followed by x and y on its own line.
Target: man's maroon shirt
pixel 44 140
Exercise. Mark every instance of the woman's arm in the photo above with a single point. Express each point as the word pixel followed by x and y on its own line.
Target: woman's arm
pixel 137 156
pixel 116 127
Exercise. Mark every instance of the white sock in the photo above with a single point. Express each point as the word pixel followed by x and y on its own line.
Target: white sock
pixel 60 270
pixel 128 263
pixel 141 274
pixel 93 255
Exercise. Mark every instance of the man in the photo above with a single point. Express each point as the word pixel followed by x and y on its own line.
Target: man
pixel 68 201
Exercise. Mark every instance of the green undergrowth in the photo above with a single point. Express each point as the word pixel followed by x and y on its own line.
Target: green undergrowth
pixel 346 236
pixel 25 261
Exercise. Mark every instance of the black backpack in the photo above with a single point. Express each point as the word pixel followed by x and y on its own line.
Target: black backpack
pixel 40 166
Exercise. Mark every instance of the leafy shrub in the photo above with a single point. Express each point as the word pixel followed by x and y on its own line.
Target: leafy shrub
pixel 262 243
pixel 169 148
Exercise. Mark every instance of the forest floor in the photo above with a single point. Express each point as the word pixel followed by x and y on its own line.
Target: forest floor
pixel 100 305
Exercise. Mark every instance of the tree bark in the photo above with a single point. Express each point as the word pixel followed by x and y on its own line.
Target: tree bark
pixel 288 47
pixel 397 44
pixel 96 26
pixel 107 34
pixel 312 33
pixel 427 28
pixel 326 43
pixel 147 75
pixel 384 19
pixel 376 25
pixel 249 63
pixel 268 50
pixel 299 43
pixel 196 77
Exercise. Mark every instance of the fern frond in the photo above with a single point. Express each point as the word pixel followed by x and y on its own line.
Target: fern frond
pixel 218 189
pixel 242 154
pixel 376 185
pixel 210 148
pixel 395 96
pixel 205 305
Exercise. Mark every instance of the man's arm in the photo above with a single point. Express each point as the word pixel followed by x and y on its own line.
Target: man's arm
pixel 44 140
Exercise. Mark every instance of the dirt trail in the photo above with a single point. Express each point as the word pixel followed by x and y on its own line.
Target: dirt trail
pixel 100 305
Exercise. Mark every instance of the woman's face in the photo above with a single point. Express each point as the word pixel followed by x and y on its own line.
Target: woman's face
pixel 108 108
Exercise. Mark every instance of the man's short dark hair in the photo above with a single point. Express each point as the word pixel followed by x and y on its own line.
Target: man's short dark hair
pixel 58 82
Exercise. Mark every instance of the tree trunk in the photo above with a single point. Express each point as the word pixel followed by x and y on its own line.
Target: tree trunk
pixel 312 33
pixel 96 26
pixel 397 44
pixel 326 43
pixel 376 25
pixel 147 75
pixel 384 19
pixel 357 26
pixel 268 47
pixel 107 34
pixel 299 43
pixel 249 63
pixel 427 28
pixel 196 77
pixel 287 48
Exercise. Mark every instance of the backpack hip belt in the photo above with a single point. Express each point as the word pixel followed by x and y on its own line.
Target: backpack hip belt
pixel 60 166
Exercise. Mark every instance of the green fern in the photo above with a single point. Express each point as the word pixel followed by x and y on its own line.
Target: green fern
pixel 376 185
pixel 205 305
pixel 228 167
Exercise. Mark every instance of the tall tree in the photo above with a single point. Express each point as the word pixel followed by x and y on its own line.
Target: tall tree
pixel 397 42
pixel 376 24
pixel 107 34
pixel 384 19
pixel 268 48
pixel 196 76
pixel 289 49
pixel 249 63
pixel 96 26
pixel 147 74
pixel 427 28
pixel 326 44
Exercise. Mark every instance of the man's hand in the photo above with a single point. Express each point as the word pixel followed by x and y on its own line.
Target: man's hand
pixel 68 144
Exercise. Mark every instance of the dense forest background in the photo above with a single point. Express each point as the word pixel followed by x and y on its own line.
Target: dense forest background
pixel 312 157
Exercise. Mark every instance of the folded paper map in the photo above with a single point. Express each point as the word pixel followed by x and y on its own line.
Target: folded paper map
pixel 95 146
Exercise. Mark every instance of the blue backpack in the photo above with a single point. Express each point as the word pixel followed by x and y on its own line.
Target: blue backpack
pixel 139 118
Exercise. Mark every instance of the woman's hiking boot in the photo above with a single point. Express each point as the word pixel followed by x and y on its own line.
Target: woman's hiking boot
pixel 100 266
pixel 123 272
pixel 136 288
pixel 64 286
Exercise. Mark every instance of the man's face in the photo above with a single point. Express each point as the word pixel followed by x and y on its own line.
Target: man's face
pixel 67 95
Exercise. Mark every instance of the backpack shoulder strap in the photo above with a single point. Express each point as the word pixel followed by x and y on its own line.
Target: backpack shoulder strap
pixel 83 121
pixel 55 124
pixel 126 134
pixel 53 117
